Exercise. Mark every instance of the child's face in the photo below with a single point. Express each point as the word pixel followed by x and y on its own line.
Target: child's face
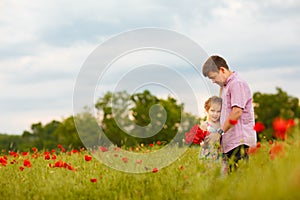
pixel 214 112
pixel 218 77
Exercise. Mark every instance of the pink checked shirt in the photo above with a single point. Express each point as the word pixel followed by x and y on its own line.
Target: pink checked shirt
pixel 236 92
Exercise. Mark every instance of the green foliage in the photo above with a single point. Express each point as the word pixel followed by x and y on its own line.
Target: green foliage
pixel 41 136
pixel 46 136
pixel 9 142
pixel 88 129
pixel 269 106
pixel 66 134
pixel 105 105
pixel 130 120
pixel 126 121
pixel 186 178
pixel 142 104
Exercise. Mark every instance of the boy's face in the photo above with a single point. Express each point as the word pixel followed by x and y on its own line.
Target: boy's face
pixel 214 112
pixel 218 77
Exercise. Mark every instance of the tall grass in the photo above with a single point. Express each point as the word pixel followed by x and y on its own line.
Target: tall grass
pixel 261 178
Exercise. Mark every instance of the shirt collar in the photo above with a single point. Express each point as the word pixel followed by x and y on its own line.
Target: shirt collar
pixel 230 78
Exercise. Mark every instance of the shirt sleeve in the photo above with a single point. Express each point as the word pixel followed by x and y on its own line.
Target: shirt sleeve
pixel 239 94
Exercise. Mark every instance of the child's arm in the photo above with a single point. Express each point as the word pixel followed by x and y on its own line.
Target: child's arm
pixel 203 126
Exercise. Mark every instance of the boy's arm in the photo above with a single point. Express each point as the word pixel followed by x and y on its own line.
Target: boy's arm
pixel 234 115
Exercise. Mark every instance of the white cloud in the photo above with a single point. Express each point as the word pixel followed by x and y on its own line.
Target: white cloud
pixel 241 31
pixel 266 81
pixel 44 44
pixel 40 86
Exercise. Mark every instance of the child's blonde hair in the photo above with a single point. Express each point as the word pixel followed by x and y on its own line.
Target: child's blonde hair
pixel 211 100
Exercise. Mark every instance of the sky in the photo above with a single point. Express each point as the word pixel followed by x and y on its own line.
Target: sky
pixel 44 45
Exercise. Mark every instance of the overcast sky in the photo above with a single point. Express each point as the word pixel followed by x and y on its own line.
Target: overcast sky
pixel 43 45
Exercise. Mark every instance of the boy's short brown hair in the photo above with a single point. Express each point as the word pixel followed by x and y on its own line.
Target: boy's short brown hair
pixel 213 64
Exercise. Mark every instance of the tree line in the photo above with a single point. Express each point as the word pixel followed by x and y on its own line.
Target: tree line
pixel 139 114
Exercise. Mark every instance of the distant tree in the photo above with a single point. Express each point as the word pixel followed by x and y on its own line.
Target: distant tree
pixel 111 107
pixel 130 120
pixel 269 106
pixel 9 142
pixel 124 120
pixel 41 137
pixel 89 130
pixel 143 102
pixel 66 134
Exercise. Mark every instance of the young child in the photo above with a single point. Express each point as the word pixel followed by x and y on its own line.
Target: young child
pixel 211 149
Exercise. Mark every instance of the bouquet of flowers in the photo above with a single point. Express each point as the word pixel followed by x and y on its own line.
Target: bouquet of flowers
pixel 195 136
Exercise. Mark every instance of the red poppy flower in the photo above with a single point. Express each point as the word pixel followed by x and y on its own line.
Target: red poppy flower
pixel 200 135
pixel 151 145
pixel 280 127
pixel 3 161
pixel 258 145
pixel 47 157
pixel 270 142
pixel 53 157
pixel 154 170
pixel 87 158
pixel 59 163
pixel 68 166
pixel 259 127
pixel 59 146
pixel 65 165
pixel 196 135
pixel 93 180
pixel 13 162
pixel 12 153
pixel 252 150
pixel 158 142
pixel 35 155
pixel 62 164
pixel 125 160
pixel 291 123
pixel 24 153
pixel 82 149
pixel 34 149
pixel 103 149
pixel 27 163
pixel 233 121
pixel 21 168
pixel 74 151
pixel 117 149
pixel 277 150
pixel 280 124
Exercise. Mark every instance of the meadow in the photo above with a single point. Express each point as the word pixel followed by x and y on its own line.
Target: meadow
pixel 272 172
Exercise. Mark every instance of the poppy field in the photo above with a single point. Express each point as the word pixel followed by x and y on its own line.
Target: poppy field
pixel 272 172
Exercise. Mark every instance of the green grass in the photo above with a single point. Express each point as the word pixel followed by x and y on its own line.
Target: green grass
pixel 186 178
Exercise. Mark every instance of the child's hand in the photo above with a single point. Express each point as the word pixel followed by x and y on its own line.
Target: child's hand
pixel 203 126
pixel 212 138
